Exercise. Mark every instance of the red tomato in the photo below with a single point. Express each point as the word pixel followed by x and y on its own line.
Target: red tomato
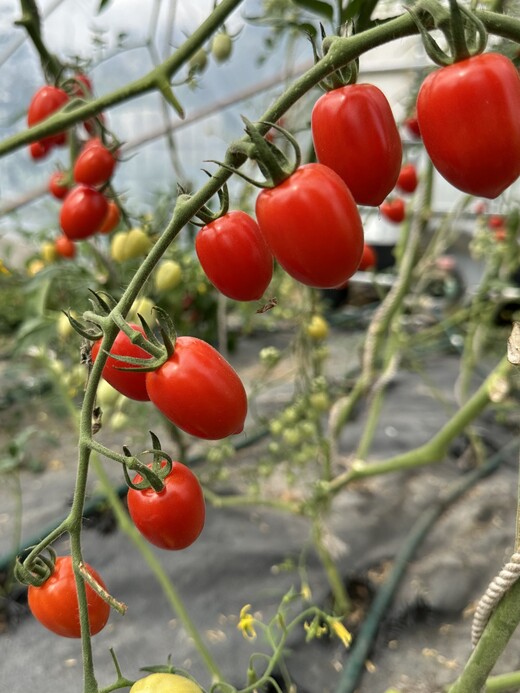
pixel 132 385
pixel 111 219
pixel 412 126
pixel 500 233
pixel 65 247
pixel 312 225
pixel 82 212
pixel 199 391
pixel 44 103
pixel 368 259
pixel 235 256
pixel 468 115
pixel 39 149
pixel 57 185
pixel 94 165
pixel 495 221
pixel 55 603
pixel 355 134
pixel 407 180
pixel 173 518
pixel 83 86
pixel 393 210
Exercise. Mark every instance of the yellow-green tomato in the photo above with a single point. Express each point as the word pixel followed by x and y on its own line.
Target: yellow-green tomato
pixel 168 275
pixel 317 328
pixel 118 246
pixel 48 252
pixel 165 683
pixel 107 395
pixel 137 243
pixel 221 47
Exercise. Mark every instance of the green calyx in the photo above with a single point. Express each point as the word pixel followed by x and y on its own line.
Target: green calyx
pixel 271 161
pixel 344 75
pixel 153 475
pixel 465 34
pixel 206 215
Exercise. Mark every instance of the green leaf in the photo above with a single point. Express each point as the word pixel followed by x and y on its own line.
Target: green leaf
pixel 102 5
pixel 359 11
pixel 317 7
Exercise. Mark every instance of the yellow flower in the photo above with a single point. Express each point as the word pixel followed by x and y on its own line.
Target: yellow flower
pixel 306 593
pixel 341 632
pixel 246 623
pixel 3 268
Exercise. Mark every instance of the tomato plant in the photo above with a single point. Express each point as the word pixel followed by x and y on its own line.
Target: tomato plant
pixel 65 247
pixel 199 391
pixel 118 373
pixel 94 165
pixel 355 134
pixel 165 683
pixel 82 212
pixel 44 103
pixel 235 256
pixel 39 150
pixel 407 180
pixel 393 210
pixel 58 185
pixel 55 603
pixel 468 115
pixel 174 517
pixel 312 225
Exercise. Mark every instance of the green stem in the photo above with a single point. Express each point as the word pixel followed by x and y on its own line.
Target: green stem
pixel 435 449
pixel 503 683
pixel 499 629
pixel 342 603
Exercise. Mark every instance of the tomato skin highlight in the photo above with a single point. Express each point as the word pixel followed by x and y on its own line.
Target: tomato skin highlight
pixel 131 385
pixel 235 256
pixel 199 391
pixel 355 134
pixel 470 127
pixel 82 212
pixel 55 603
pixel 312 225
pixel 173 518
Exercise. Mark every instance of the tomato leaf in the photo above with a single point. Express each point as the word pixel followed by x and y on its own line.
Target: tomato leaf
pixel 317 7
pixel 360 11
pixel 102 5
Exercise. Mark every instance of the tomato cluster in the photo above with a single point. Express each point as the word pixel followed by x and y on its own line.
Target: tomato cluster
pixel 85 208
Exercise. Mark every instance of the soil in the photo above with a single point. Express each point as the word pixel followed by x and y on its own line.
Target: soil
pixel 247 555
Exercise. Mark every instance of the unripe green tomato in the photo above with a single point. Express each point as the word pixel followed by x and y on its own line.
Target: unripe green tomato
pixel 291 436
pixel 317 328
pixel 221 46
pixel 143 306
pixel 118 421
pixel 118 246
pixel 63 327
pixel 276 427
pixel 165 683
pixel 319 401
pixel 137 243
pixel 168 275
pixel 107 395
pixel 198 61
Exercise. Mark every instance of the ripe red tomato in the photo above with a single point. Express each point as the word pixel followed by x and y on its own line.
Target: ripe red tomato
pixel 94 165
pixel 312 225
pixel 368 259
pixel 82 212
pixel 495 221
pixel 55 603
pixel 44 103
pixel 57 185
pixel 393 210
pixel 199 391
pixel 173 518
pixel 468 115
pixel 132 385
pixel 412 126
pixel 355 134
pixel 65 247
pixel 235 256
pixel 407 180
pixel 111 219
pixel 83 86
pixel 39 149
